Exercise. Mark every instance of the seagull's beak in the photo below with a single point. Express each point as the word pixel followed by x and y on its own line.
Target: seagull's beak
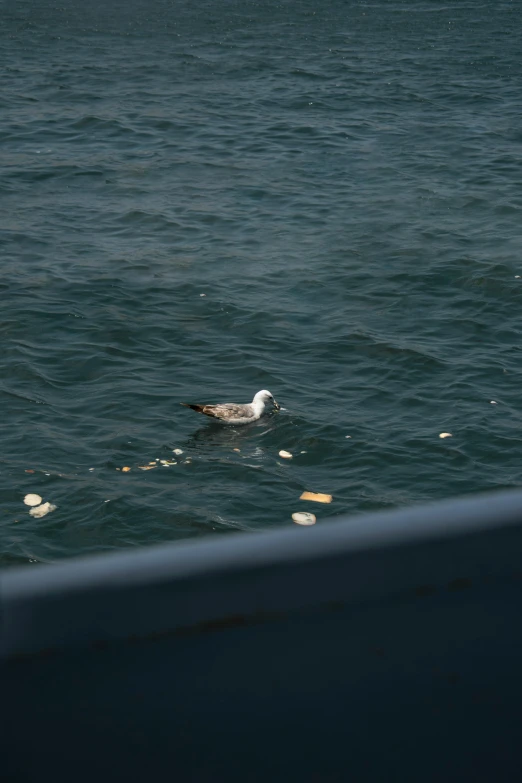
pixel 276 405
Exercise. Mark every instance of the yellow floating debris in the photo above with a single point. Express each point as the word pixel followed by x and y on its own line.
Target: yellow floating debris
pixel 445 435
pixel 317 497
pixel 236 449
pixel 304 518
pixel 285 454
pixel 32 500
pixel 125 470
pixel 148 467
pixel 41 511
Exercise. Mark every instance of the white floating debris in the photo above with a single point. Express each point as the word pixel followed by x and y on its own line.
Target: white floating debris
pixel 41 511
pixel 91 468
pixel 285 454
pixel 304 518
pixel 493 402
pixel 517 276
pixel 148 467
pixel 177 451
pixel 32 500
pixel 236 450
pixel 202 294
pixel 347 436
pixel 445 435
pixel 304 452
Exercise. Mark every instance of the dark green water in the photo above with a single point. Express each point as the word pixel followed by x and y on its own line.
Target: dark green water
pixel 343 182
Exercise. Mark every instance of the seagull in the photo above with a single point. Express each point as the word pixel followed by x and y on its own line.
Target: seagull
pixel 230 413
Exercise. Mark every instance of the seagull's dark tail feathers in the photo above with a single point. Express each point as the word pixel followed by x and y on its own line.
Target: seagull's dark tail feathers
pixel 208 410
pixel 198 408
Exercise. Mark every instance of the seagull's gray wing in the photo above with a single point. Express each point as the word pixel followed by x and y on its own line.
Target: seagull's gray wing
pixel 228 410
pixel 225 411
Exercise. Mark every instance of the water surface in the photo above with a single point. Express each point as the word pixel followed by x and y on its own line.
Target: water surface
pixel 341 180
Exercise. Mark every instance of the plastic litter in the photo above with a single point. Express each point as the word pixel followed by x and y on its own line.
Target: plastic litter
pixel 32 500
pixel 41 511
pixel 317 497
pixel 304 518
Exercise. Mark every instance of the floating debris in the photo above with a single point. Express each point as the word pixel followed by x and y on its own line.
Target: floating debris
pixel 347 436
pixel 304 518
pixel 148 467
pixel 32 500
pixel 493 402
pixel 445 435
pixel 92 468
pixel 236 450
pixel 29 471
pixel 177 451
pixel 125 469
pixel 317 497
pixel 202 294
pixel 41 511
pixel 152 463
pixel 285 454
pixel 517 276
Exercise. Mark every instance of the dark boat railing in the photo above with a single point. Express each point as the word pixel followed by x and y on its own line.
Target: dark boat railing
pixel 377 647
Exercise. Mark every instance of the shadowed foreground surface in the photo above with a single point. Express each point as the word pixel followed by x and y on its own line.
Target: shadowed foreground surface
pixel 381 650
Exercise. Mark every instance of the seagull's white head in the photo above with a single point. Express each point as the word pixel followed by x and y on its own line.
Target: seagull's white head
pixel 264 396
